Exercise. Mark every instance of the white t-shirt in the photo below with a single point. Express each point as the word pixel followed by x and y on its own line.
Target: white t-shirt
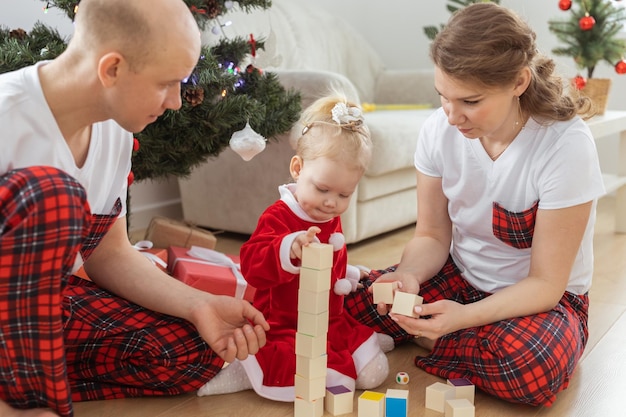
pixel 30 136
pixel 555 165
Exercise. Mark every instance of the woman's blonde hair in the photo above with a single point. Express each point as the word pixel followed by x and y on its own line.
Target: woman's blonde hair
pixel 333 127
pixel 489 44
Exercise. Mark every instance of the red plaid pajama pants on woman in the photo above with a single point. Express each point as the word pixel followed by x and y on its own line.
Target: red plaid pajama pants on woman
pixel 523 360
pixel 63 339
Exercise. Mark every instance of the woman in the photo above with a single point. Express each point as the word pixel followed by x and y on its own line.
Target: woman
pixel 507 181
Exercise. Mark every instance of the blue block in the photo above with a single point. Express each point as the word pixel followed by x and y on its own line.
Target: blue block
pixel 395 407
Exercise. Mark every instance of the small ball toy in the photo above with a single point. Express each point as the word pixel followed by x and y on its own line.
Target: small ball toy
pixel 402 378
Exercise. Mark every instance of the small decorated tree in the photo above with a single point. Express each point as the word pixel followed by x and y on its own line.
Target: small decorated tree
pixel 590 35
pixel 453 5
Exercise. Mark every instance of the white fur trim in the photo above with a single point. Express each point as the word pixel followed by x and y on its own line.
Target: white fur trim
pixel 337 240
pixel 255 374
pixel 342 287
pixel 366 352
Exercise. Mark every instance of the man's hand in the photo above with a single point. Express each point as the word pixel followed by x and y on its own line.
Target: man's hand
pixel 232 327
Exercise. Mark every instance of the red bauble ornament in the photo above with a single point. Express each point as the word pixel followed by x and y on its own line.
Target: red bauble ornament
pixel 620 67
pixel 565 4
pixel 135 145
pixel 131 178
pixel 579 82
pixel 587 22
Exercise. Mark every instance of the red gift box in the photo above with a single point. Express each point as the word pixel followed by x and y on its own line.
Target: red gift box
pixel 209 270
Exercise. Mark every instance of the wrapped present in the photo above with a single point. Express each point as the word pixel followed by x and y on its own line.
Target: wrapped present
pixel 209 270
pixel 164 232
pixel 157 256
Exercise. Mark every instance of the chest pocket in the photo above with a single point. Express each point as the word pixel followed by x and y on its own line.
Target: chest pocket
pixel 100 225
pixel 516 229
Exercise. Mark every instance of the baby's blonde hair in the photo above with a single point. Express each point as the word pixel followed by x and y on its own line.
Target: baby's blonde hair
pixel 347 141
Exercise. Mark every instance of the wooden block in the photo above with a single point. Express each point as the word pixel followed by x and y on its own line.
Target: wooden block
pixel 404 303
pixel 459 408
pixel 339 400
pixel 371 404
pixel 436 396
pixel 310 346
pixel 396 403
pixel 304 408
pixel 311 367
pixel 313 302
pixel 383 292
pixel 310 389
pixel 314 280
pixel 313 324
pixel 317 256
pixel 463 388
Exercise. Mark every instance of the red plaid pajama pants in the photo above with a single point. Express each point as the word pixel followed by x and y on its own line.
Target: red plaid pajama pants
pixel 523 360
pixel 63 338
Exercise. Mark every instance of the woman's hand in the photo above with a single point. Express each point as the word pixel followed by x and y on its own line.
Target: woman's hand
pixel 403 281
pixel 444 317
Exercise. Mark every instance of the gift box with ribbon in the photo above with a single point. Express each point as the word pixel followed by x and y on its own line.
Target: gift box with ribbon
pixel 209 270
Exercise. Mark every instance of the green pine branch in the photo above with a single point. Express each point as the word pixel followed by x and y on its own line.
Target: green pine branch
pixel 590 47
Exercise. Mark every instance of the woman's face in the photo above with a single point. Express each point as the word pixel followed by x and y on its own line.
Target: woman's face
pixel 475 111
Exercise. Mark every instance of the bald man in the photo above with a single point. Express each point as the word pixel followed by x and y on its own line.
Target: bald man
pixel 66 153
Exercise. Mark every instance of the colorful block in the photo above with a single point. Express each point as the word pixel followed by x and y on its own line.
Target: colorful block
pixel 463 388
pixel 310 389
pixel 396 403
pixel 310 346
pixel 317 256
pixel 404 303
pixel 313 324
pixel 371 404
pixel 313 301
pixel 383 292
pixel 314 280
pixel 311 367
pixel 459 408
pixel 304 408
pixel 339 400
pixel 437 394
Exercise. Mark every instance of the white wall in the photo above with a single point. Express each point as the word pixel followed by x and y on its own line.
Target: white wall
pixel 394 28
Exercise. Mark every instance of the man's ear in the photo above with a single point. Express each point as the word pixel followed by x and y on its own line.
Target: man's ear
pixel 109 68
pixel 295 166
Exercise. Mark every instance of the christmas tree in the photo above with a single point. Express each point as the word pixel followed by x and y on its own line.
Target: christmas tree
pixel 453 5
pixel 590 35
pixel 222 99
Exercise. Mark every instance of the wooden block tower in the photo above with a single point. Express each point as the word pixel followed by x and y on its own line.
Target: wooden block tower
pixel 313 293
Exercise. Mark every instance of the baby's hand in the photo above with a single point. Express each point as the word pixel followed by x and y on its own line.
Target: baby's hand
pixel 303 239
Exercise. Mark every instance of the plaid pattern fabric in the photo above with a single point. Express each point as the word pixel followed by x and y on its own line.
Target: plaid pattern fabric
pixel 117 349
pixel 514 229
pixel 63 338
pixel 523 360
pixel 44 217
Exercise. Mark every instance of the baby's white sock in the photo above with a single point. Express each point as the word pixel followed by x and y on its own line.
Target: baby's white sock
pixel 374 373
pixel 232 378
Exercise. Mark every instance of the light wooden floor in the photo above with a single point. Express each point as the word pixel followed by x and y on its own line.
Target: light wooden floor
pixel 597 388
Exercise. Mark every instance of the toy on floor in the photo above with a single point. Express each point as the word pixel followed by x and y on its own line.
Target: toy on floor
pixel 402 378
pixel 454 399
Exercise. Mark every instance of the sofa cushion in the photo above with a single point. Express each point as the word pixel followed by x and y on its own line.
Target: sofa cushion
pixel 394 134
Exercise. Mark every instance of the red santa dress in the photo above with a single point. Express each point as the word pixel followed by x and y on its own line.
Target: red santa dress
pixel 266 265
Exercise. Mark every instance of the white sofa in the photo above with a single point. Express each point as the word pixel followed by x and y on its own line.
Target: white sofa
pixel 311 50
